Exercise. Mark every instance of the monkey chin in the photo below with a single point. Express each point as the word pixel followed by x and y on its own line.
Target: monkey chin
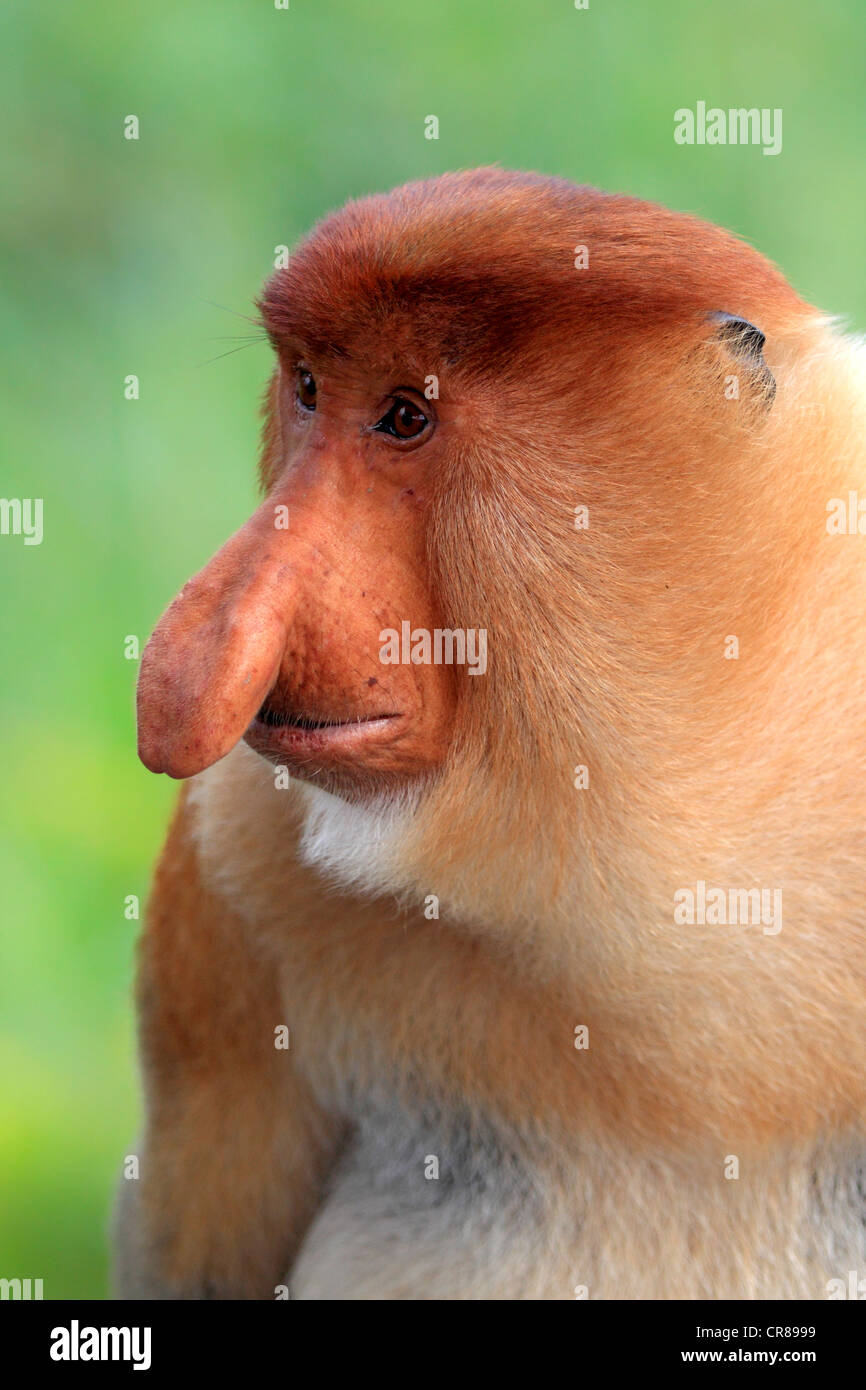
pixel 360 759
pixel 355 839
pixel 358 845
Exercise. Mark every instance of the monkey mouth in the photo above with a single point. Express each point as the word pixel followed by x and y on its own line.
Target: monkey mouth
pixel 293 737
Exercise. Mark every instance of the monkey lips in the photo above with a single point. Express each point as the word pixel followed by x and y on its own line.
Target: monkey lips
pixel 309 747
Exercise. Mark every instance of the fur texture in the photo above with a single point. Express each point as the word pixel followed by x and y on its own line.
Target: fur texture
pixel 607 1167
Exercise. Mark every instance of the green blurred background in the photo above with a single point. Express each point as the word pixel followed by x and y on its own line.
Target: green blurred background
pixel 254 122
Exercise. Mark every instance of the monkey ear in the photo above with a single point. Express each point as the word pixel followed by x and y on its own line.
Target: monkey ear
pixel 745 343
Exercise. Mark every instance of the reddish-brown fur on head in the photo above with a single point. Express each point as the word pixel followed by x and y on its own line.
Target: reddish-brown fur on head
pixel 479 269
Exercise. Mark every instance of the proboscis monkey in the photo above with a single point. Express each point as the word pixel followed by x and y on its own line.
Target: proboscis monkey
pixel 509 940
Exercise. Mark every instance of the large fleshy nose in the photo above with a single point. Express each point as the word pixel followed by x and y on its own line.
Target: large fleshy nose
pixel 216 651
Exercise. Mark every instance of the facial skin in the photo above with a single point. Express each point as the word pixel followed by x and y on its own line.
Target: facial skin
pixel 277 640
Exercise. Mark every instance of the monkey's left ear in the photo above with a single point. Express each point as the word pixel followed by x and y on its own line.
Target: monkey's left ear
pixel 745 342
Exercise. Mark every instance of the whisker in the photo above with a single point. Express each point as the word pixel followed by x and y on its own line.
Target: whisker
pixel 256 322
pixel 250 343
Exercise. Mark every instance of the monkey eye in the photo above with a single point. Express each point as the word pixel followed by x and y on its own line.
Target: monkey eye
pixel 403 421
pixel 306 389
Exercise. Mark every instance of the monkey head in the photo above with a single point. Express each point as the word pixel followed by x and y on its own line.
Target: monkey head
pixel 464 368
